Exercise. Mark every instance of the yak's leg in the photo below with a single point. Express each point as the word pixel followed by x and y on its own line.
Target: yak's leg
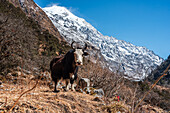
pixel 72 85
pixel 55 89
pixel 67 84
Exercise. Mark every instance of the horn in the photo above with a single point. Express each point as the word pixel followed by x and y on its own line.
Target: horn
pixel 72 44
pixel 85 47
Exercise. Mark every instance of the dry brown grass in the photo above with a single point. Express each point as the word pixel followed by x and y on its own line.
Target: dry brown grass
pixel 117 107
pixel 130 92
pixel 42 99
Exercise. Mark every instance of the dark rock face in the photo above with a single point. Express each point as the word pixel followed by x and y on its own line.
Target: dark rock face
pixel 165 81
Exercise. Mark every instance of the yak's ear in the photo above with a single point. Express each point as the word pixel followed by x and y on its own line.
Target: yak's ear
pixel 72 44
pixel 85 54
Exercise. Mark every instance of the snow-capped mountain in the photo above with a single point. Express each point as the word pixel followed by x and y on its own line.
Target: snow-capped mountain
pixel 136 62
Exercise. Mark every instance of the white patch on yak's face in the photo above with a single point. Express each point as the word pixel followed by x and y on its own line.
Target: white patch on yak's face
pixel 78 56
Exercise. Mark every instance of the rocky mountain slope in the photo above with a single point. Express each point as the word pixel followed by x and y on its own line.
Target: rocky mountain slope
pixel 136 62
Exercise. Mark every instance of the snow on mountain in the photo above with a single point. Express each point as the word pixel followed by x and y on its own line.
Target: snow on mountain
pixel 136 62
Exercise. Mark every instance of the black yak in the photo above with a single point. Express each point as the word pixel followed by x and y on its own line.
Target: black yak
pixel 66 67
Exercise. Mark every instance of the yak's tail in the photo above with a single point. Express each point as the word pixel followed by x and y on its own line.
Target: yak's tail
pixel 54 60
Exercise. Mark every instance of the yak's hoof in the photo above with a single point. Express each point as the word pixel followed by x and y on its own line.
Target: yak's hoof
pixel 56 91
pixel 73 90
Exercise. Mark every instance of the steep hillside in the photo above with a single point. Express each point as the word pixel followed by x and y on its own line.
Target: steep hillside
pixel 34 11
pixel 23 43
pixel 135 61
pixel 158 72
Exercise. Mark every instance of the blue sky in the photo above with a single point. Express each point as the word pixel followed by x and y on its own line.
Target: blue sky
pixel 140 22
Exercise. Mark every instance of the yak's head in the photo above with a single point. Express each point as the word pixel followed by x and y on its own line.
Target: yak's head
pixel 79 53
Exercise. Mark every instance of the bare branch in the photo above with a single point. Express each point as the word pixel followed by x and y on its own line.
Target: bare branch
pixel 22 95
pixel 164 74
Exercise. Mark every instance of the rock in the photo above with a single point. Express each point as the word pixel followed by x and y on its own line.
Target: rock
pixel 99 92
pixel 83 85
pixel 97 99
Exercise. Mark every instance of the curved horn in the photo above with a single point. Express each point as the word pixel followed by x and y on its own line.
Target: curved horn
pixel 72 44
pixel 85 47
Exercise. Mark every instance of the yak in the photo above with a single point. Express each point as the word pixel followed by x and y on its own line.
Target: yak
pixel 66 67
